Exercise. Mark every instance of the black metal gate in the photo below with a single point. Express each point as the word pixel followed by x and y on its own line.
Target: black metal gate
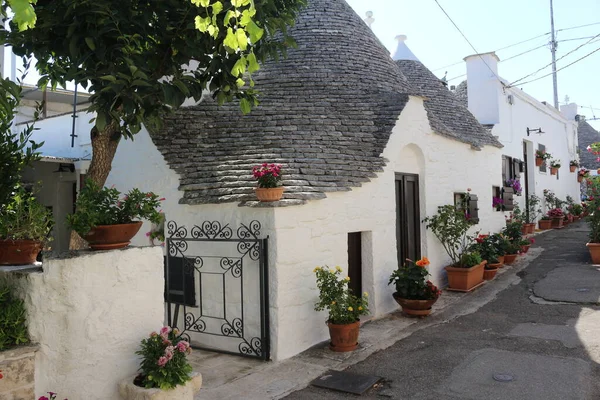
pixel 216 287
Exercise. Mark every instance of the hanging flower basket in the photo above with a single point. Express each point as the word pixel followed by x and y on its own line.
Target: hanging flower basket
pixel 269 182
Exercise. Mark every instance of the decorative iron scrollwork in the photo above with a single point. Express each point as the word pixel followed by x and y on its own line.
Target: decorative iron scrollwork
pixel 232 264
pixel 252 348
pixel 212 230
pixel 194 324
pixel 235 328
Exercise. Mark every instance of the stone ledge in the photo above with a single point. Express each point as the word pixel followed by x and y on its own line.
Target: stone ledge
pixel 273 204
pixel 24 269
pixel 18 352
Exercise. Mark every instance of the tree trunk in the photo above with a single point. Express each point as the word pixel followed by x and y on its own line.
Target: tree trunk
pixel 104 147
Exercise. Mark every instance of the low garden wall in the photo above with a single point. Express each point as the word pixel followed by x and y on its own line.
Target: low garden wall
pixel 88 314
pixel 17 371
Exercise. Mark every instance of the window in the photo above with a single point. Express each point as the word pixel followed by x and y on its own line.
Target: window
pixel 511 168
pixel 496 198
pixel 468 202
pixel 543 167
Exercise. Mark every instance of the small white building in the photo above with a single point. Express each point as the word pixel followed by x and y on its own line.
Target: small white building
pixel 523 125
pixel 369 148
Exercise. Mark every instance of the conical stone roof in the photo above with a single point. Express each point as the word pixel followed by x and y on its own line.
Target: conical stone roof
pixel 326 114
pixel 587 135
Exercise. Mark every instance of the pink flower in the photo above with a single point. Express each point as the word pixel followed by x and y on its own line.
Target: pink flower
pixel 148 234
pixel 162 361
pixel 162 199
pixel 126 198
pixel 43 398
pixel 169 352
pixel 153 334
pixel 183 346
pixel 166 342
pixel 165 330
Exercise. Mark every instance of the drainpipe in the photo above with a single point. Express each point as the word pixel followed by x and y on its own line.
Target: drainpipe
pixel 74 116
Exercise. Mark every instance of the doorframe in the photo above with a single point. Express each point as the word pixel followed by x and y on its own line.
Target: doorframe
pixel 399 177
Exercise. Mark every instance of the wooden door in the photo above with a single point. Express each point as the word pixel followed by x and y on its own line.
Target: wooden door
pixel 408 219
pixel 355 262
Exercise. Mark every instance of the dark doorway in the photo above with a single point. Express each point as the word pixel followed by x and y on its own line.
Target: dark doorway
pixel 408 220
pixel 355 262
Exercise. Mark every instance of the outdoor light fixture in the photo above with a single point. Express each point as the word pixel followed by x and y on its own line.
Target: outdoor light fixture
pixel 538 131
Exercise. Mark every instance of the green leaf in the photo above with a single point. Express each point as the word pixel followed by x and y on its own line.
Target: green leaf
pixel 202 24
pixel 239 68
pixel 217 7
pixel 245 106
pixel 24 14
pixel 242 39
pixel 230 40
pixel 204 3
pixel 101 121
pixel 109 78
pixel 90 42
pixel 252 63
pixel 240 83
pixel 256 32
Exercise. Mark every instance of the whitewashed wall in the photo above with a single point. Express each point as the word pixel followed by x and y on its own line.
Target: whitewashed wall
pixel 316 234
pixel 559 137
pixel 88 314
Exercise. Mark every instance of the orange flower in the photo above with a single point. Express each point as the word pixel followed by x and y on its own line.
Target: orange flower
pixel 423 262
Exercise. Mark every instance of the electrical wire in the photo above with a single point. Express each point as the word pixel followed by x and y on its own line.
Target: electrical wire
pixel 576 27
pixel 560 69
pixel 560 58
pixel 468 41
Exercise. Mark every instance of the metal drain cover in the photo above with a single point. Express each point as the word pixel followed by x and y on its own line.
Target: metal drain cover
pixel 503 378
pixel 346 382
pixel 584 289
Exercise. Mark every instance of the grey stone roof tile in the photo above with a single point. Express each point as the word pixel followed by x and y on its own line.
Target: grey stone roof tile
pixel 587 135
pixel 326 113
pixel 447 116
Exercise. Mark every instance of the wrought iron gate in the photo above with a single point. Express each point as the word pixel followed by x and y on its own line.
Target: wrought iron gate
pixel 216 287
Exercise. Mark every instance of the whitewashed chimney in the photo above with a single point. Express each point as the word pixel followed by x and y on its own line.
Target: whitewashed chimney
pixel 569 111
pixel 483 87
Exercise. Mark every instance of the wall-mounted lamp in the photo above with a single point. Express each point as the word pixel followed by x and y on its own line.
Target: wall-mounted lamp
pixel 538 131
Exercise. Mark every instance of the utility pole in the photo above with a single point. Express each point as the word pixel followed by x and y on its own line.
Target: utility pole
pixel 553 50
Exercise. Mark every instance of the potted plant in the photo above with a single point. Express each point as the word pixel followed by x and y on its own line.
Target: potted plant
pixel 512 251
pixel 24 228
pixel 533 212
pixel 415 294
pixel 515 184
pixel 484 246
pixel 577 211
pixel 573 164
pixel 497 203
pixel 269 182
pixel 107 221
pixel 526 244
pixel 582 174
pixel 343 306
pixel 593 204
pixel 545 223
pixel 540 157
pixel 165 372
pixel 557 216
pixel 451 226
pixel 501 245
pixel 554 166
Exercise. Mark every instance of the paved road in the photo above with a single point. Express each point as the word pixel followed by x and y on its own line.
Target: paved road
pixel 542 334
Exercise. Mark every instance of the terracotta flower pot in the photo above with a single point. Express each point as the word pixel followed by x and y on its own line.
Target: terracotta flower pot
pixel 573 168
pixel 129 391
pixel 553 171
pixel 510 258
pixel 19 252
pixel 530 228
pixel 594 249
pixel 580 179
pixel 570 218
pixel 465 279
pixel 269 194
pixel 557 222
pixel 490 272
pixel 539 161
pixel 525 248
pixel 545 224
pixel 415 308
pixel 344 337
pixel 500 261
pixel 111 237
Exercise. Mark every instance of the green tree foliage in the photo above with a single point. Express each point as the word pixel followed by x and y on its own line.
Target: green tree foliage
pixel 23 12
pixel 141 60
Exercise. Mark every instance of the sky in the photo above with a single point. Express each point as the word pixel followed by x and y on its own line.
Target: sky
pixel 492 25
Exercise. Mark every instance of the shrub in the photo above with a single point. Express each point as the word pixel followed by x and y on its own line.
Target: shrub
pixel 164 360
pixel 24 218
pixel 411 281
pixel 335 297
pixel 13 322
pixel 450 226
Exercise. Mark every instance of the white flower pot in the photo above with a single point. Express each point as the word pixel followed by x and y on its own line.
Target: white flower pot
pixel 129 391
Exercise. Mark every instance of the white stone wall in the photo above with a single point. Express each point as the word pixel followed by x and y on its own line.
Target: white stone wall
pixel 559 137
pixel 316 234
pixel 88 314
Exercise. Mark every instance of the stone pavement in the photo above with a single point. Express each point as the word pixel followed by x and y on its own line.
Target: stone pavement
pixel 414 354
pixel 539 339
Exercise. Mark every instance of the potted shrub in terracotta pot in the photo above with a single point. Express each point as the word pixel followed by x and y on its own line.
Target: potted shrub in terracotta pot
pixel 512 252
pixel 557 216
pixel 343 306
pixel 107 221
pixel 268 177
pixel 545 223
pixel 165 372
pixel 573 165
pixel 554 166
pixel 582 174
pixel 484 245
pixel 501 246
pixel 540 157
pixel 577 210
pixel 451 226
pixel 24 228
pixel 415 294
pixel 593 219
pixel 532 213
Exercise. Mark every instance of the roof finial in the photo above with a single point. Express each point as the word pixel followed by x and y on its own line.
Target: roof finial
pixel 369 20
pixel 402 51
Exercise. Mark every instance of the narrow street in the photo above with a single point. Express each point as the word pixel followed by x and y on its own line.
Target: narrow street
pixel 538 340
